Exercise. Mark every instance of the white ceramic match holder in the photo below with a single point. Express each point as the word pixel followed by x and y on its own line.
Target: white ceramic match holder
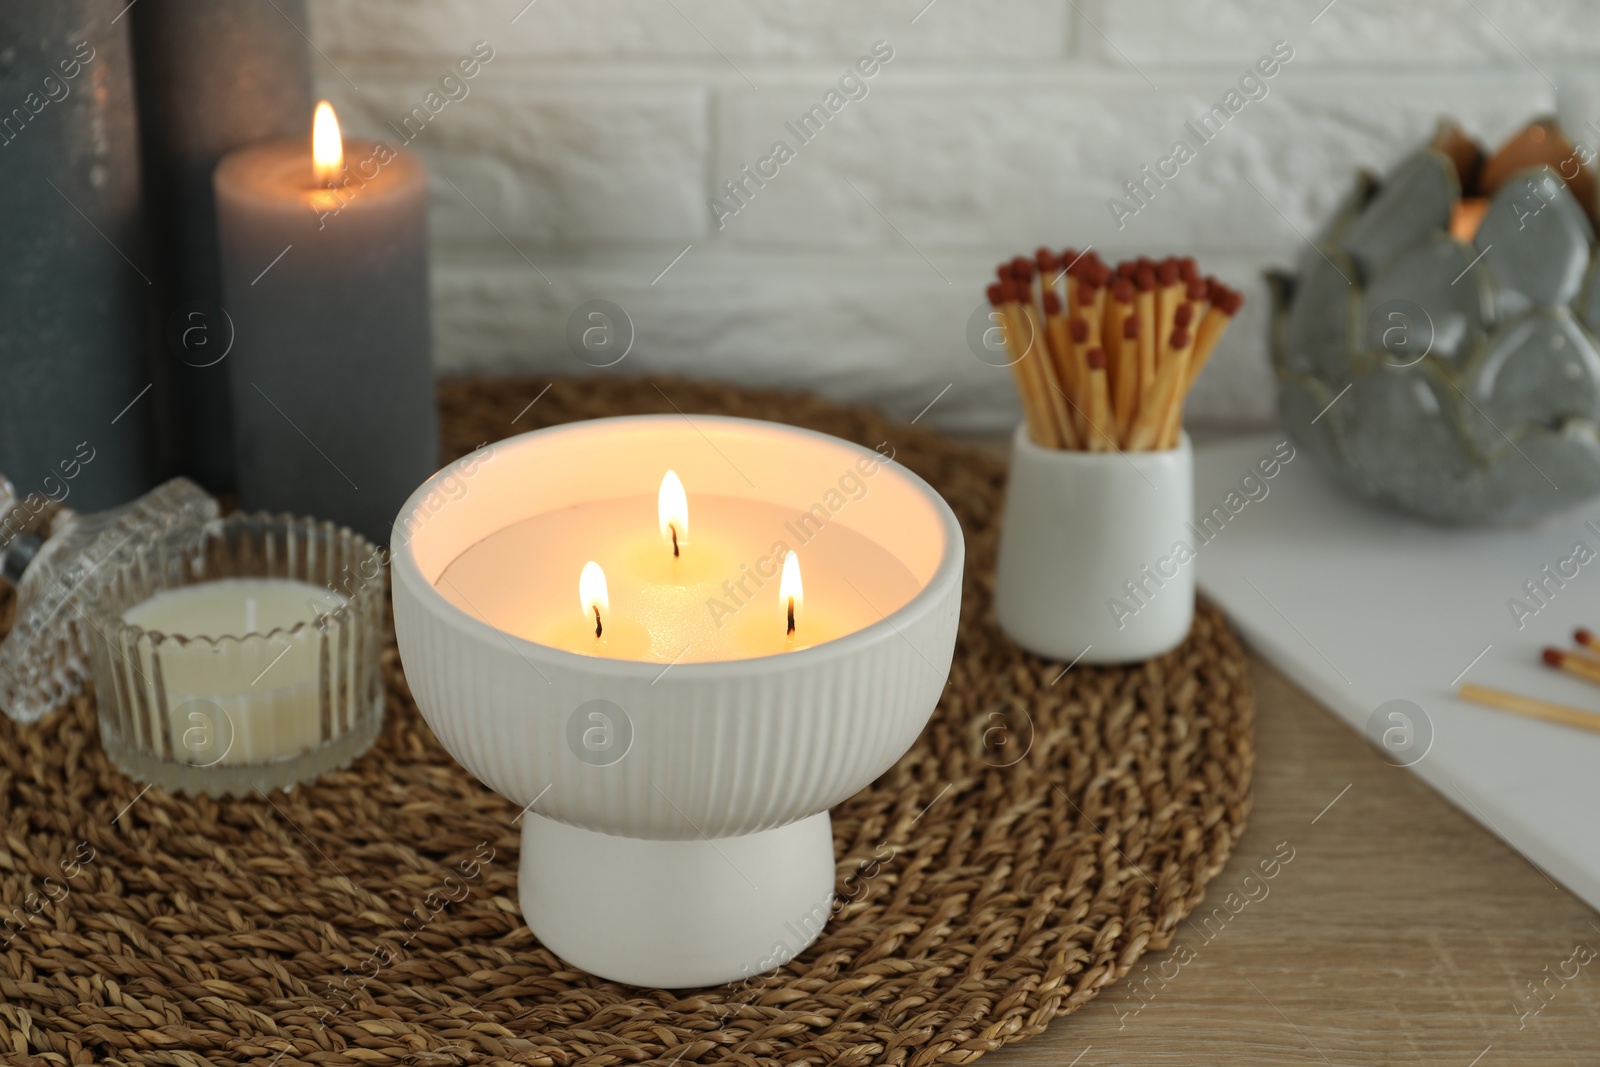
pixel 1096 557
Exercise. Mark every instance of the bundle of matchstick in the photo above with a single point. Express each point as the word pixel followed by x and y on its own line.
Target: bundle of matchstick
pixel 1104 359
pixel 1583 663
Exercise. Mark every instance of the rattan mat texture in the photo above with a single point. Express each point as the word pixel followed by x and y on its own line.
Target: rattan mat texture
pixel 1044 831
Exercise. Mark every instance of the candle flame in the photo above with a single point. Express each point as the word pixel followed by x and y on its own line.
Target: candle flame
pixel 672 507
pixel 593 595
pixel 791 597
pixel 327 147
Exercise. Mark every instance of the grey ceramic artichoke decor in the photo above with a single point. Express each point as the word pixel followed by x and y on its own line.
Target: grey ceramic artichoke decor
pixel 1437 350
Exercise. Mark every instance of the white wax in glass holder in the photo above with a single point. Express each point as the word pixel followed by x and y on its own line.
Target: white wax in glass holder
pixel 241 671
pixel 248 660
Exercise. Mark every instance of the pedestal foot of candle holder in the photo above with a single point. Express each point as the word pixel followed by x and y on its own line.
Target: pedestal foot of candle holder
pixel 676 914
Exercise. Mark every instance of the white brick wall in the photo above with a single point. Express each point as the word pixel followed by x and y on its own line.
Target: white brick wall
pixel 593 140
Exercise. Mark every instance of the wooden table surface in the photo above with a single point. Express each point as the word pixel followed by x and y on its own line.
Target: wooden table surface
pixel 1400 932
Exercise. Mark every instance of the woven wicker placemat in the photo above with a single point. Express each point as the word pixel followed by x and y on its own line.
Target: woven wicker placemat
pixel 1045 830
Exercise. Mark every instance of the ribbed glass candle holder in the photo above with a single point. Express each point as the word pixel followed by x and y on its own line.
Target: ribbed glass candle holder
pixel 236 710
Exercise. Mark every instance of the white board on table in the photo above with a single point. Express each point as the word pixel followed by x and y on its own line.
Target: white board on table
pixel 1361 606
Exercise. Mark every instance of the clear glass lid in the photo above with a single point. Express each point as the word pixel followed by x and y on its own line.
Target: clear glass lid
pixel 54 556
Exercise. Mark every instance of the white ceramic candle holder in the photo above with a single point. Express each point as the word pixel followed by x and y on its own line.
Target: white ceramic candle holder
pixel 675 825
pixel 1090 565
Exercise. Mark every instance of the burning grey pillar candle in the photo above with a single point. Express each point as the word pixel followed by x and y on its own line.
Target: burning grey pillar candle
pixel 331 375
pixel 73 353
pixel 211 77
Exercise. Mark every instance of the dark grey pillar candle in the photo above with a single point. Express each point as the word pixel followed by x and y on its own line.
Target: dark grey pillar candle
pixel 331 371
pixel 73 353
pixel 211 76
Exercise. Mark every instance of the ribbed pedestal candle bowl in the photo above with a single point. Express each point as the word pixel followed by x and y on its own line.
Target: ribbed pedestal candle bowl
pixel 695 846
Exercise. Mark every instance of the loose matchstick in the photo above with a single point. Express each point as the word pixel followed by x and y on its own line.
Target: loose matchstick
pixel 1533 709
pixel 1590 643
pixel 1575 664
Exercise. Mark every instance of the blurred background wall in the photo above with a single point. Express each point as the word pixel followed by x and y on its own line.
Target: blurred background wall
pixel 578 162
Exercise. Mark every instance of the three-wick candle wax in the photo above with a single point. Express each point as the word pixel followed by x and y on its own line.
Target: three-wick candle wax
pixel 720 596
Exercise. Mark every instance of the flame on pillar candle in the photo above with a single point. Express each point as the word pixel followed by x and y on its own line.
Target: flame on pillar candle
pixel 327 147
pixel 791 597
pixel 672 508
pixel 592 593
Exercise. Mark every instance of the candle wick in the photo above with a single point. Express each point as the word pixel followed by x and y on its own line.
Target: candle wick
pixel 791 616
pixel 674 530
pixel 597 621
